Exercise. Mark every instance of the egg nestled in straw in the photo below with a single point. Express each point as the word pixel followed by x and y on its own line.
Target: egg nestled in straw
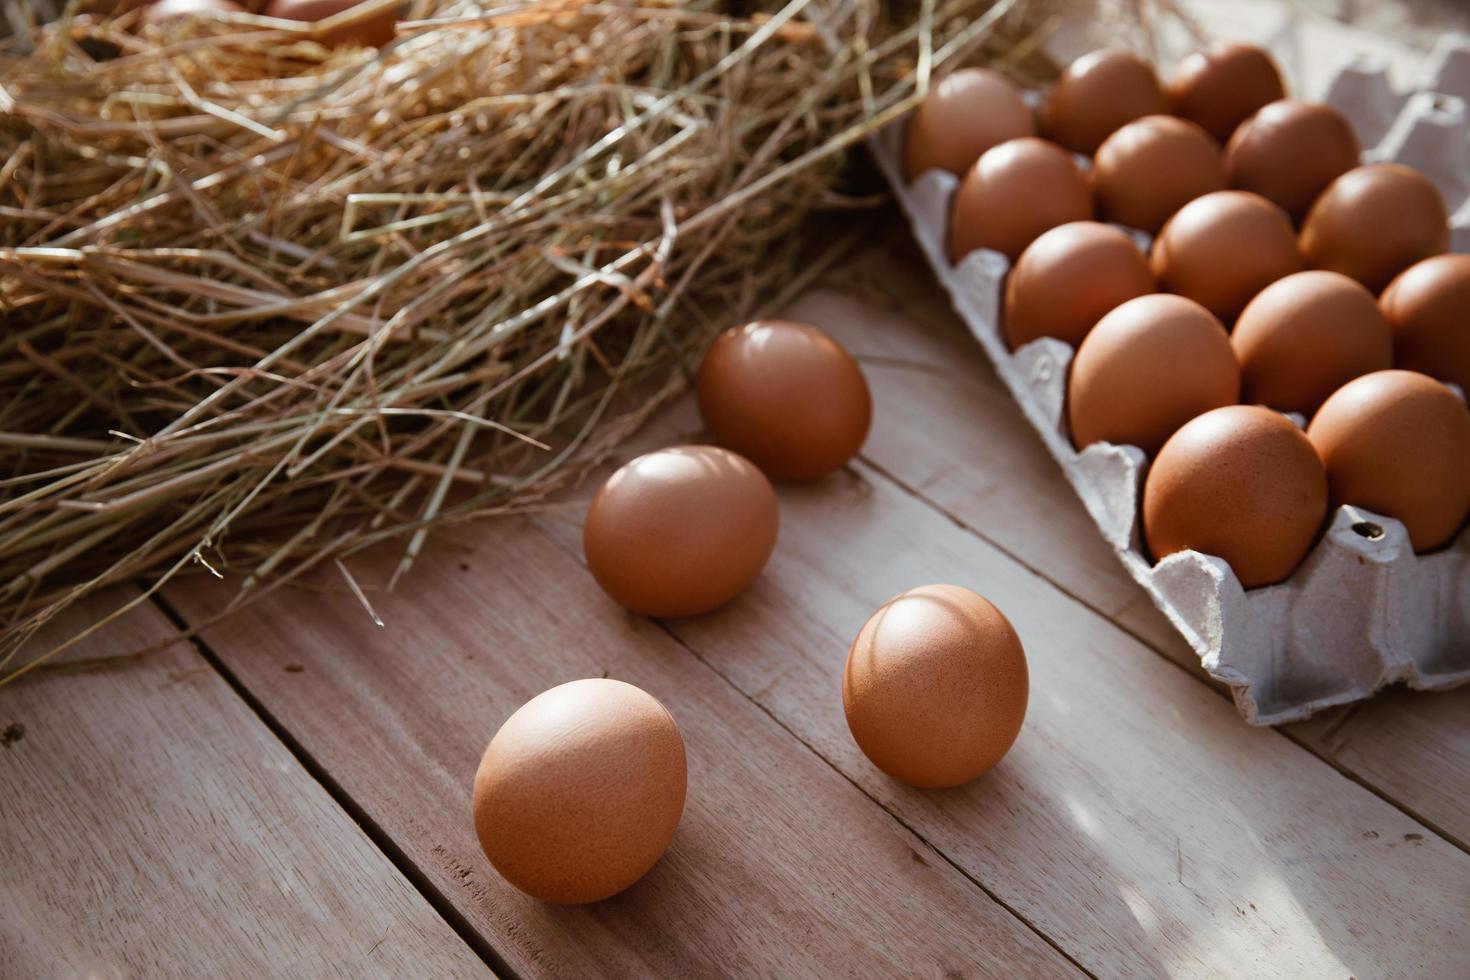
pixel 935 686
pixel 680 531
pixel 580 791
pixel 1148 367
pixel 1068 278
pixel 1240 483
pixel 785 396
pixel 1012 194
pixel 1397 443
pixel 964 114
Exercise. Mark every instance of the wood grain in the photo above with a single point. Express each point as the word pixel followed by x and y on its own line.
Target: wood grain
pixel 780 866
pixel 946 429
pixel 152 826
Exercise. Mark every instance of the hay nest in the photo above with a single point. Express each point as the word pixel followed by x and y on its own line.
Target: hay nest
pixel 268 302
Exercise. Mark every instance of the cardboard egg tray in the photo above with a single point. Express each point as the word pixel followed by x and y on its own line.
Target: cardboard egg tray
pixel 1362 610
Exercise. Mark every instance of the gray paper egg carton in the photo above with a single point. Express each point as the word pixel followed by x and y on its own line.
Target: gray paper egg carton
pixel 1362 610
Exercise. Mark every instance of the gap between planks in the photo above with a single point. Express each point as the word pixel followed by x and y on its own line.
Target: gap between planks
pixel 384 842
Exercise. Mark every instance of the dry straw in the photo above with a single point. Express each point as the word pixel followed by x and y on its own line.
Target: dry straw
pixel 266 303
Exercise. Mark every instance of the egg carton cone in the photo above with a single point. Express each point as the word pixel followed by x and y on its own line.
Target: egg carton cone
pixel 1362 610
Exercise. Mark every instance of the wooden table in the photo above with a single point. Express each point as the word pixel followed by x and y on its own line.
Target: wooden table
pixel 290 795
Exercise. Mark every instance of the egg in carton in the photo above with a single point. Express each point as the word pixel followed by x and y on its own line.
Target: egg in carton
pixel 1363 610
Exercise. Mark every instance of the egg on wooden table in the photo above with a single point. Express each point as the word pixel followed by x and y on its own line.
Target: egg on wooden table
pixel 1428 309
pixel 1289 151
pixel 579 793
pixel 935 686
pixel 1307 335
pixel 680 531
pixel 1374 222
pixel 1012 194
pixel 1224 85
pixel 1098 93
pixel 1068 278
pixel 1398 443
pixel 1224 248
pixel 965 113
pixel 1240 483
pixel 785 396
pixel 373 31
pixel 1152 167
pixel 1148 367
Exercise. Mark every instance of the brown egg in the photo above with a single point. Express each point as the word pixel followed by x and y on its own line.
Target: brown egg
pixel 964 114
pixel 1220 88
pixel 1374 222
pixel 1305 336
pixel 578 794
pixel 1151 168
pixel 935 686
pixel 1398 443
pixel 786 397
pixel 165 10
pixel 1148 367
pixel 1428 309
pixel 1068 278
pixel 1240 483
pixel 680 531
pixel 1222 249
pixel 1289 152
pixel 373 32
pixel 1012 194
pixel 1098 93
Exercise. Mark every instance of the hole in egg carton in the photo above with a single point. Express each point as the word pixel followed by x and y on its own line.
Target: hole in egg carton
pixel 1362 611
pixel 1368 529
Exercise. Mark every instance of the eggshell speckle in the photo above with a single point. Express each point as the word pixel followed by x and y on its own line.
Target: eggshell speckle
pixel 1428 310
pixel 374 32
pixel 1240 483
pixel 785 396
pixel 1068 278
pixel 964 114
pixel 1222 249
pixel 680 531
pixel 1012 194
pixel 1305 336
pixel 935 686
pixel 1398 443
pixel 1220 88
pixel 1151 168
pixel 1289 152
pixel 1374 222
pixel 1098 93
pixel 579 793
pixel 1148 367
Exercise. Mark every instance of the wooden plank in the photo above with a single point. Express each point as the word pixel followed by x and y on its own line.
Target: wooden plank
pixel 779 867
pixel 1139 823
pixel 945 428
pixel 1414 746
pixel 154 826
